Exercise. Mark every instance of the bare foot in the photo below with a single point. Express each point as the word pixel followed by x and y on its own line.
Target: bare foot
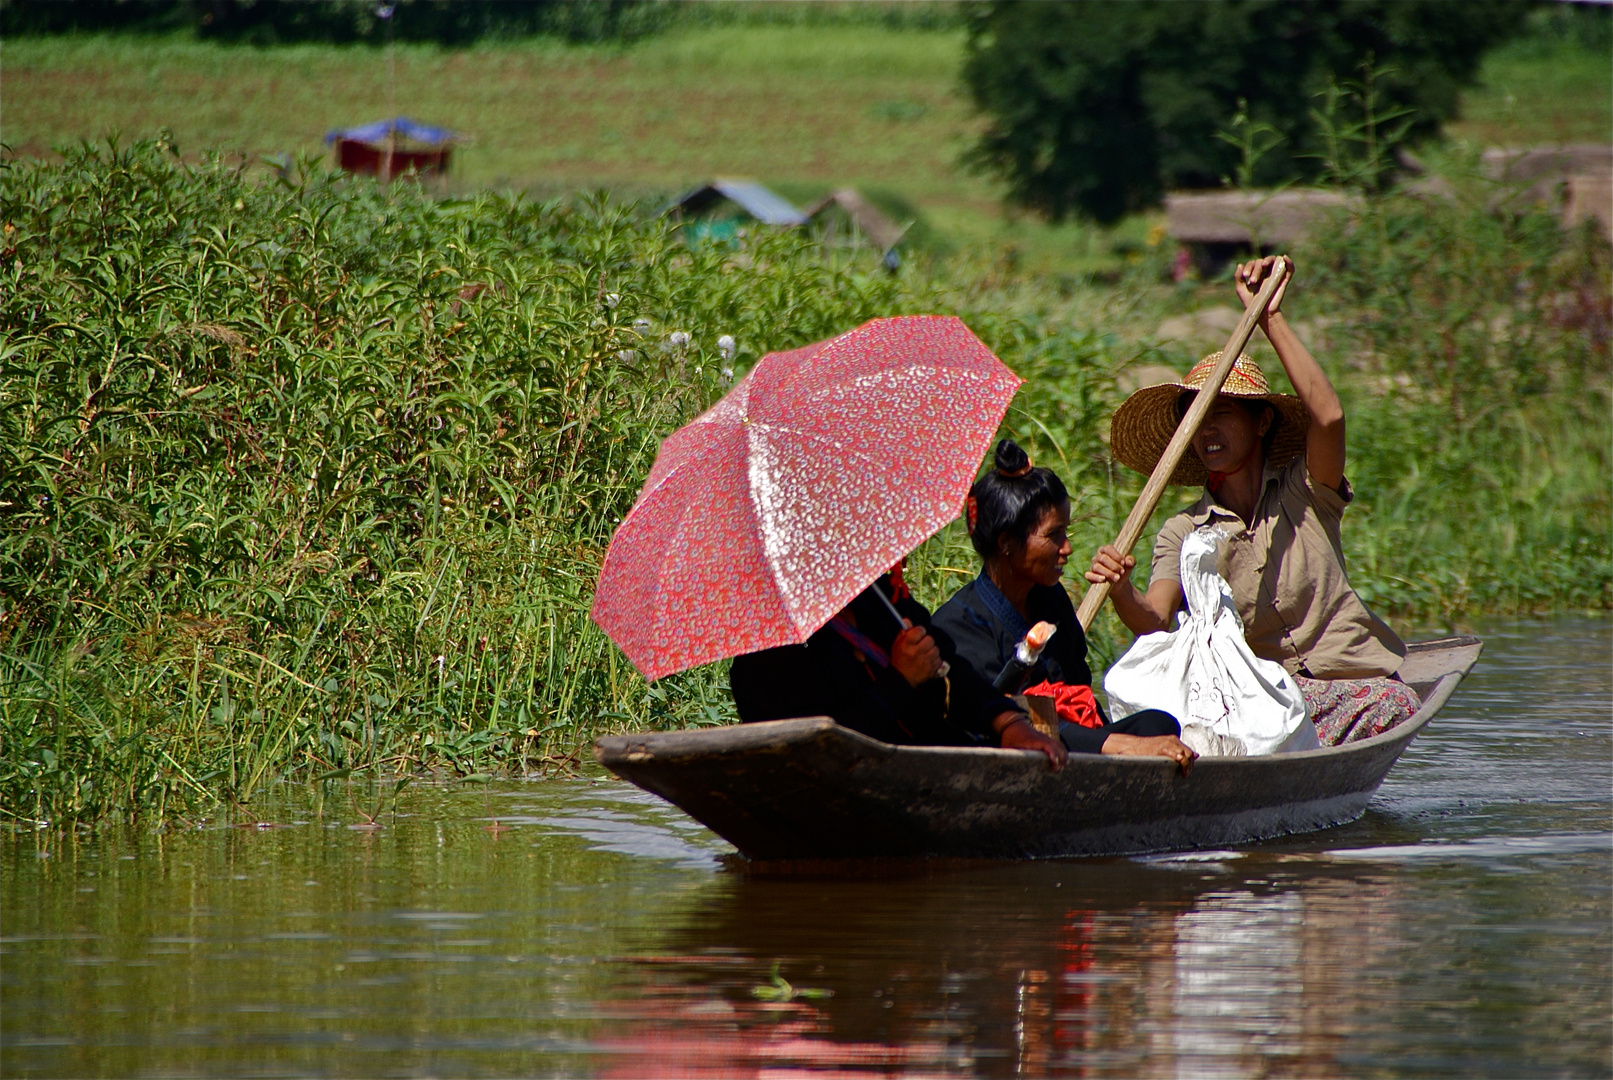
pixel 1166 746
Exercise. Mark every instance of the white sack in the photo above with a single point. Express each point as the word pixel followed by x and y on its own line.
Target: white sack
pixel 1230 702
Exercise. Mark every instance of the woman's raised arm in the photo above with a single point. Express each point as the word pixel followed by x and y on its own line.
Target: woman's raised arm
pixel 1324 442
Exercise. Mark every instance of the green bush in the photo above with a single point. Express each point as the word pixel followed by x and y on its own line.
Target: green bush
pixel 313 473
pixel 1475 347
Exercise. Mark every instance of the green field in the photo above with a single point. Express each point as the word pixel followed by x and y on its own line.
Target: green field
pixel 801 109
pixel 1540 93
pixel 804 109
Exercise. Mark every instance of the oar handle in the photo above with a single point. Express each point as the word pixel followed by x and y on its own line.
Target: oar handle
pixel 1138 519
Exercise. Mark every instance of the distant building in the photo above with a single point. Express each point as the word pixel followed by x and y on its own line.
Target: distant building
pixel 1575 181
pixel 1212 227
pixel 743 198
pixel 1240 218
pixel 845 219
pixel 390 148
pixel 716 212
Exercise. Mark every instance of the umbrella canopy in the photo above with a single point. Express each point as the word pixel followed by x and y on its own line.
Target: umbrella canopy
pixel 812 476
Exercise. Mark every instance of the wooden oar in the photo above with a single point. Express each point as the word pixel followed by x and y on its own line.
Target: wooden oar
pixel 1132 529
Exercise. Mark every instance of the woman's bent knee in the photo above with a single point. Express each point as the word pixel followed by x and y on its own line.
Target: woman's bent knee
pixel 1148 723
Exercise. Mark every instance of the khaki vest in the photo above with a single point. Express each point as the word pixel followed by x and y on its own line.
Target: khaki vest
pixel 1287 576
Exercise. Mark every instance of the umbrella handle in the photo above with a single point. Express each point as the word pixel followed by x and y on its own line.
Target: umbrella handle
pixel 903 622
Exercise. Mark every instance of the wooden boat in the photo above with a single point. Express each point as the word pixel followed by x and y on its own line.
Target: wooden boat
pixel 811 789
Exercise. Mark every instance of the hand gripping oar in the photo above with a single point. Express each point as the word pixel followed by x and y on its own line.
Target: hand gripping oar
pixel 1149 499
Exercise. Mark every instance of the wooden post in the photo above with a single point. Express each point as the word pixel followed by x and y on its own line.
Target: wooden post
pixel 1132 529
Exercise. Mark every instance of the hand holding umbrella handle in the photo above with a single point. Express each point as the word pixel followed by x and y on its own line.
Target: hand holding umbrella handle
pixel 1149 499
pixel 902 620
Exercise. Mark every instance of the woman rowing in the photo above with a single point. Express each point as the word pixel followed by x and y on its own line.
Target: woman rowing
pixel 1272 466
pixel 1018 518
pixel 901 685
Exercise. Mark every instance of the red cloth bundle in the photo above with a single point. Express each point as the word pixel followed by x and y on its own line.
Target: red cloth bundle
pixel 1072 702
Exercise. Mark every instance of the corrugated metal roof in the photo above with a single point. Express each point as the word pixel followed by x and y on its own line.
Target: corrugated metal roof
pixel 401 126
pixel 757 201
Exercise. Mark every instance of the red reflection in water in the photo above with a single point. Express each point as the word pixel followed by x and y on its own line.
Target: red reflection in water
pixel 1179 973
pixel 705 1035
pixel 685 1027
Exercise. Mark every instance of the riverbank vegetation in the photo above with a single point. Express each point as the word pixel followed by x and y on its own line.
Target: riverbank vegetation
pixel 304 477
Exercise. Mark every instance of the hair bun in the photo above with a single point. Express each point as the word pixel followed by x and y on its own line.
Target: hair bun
pixel 1011 461
pixel 1009 499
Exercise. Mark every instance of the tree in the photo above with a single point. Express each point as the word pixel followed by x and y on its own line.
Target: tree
pixel 1097 108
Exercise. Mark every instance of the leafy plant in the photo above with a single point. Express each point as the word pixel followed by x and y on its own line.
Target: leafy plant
pixel 1253 139
pixel 1358 129
pixel 318 476
pixel 777 988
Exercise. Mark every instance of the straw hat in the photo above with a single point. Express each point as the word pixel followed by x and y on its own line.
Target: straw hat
pixel 1143 425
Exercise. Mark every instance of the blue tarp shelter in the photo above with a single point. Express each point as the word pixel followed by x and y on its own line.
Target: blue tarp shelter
pixel 387 148
pixel 401 126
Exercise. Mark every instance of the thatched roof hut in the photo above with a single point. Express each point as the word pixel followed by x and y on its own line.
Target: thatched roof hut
pixel 861 218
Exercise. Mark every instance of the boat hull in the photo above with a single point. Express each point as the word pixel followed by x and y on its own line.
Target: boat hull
pixel 811 789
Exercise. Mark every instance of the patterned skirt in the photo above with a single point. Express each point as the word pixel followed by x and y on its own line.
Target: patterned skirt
pixel 1345 710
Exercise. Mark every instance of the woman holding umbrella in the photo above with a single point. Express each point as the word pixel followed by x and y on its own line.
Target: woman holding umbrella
pixel 764 520
pixel 1272 466
pixel 901 685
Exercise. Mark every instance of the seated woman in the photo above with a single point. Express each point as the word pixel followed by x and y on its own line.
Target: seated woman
pixel 1273 470
pixel 901 686
pixel 1018 519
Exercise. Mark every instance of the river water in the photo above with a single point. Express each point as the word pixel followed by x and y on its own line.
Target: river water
pixel 1463 927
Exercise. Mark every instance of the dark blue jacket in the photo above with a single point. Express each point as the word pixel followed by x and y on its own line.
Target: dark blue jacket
pixel 825 678
pixel 985 628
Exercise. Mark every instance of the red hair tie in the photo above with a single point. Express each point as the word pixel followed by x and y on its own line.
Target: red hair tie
pixel 899 589
pixel 971 512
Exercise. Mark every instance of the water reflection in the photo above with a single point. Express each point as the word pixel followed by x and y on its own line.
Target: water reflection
pixel 1399 939
pixel 1111 967
pixel 1265 965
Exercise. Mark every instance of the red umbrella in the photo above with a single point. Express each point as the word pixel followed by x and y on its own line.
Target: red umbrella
pixel 811 477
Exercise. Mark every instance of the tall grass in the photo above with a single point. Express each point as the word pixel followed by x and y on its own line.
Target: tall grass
pixel 310 477
pixel 1476 346
pixel 279 490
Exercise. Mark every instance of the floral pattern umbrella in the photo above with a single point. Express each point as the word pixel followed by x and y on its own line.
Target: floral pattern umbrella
pixel 820 469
